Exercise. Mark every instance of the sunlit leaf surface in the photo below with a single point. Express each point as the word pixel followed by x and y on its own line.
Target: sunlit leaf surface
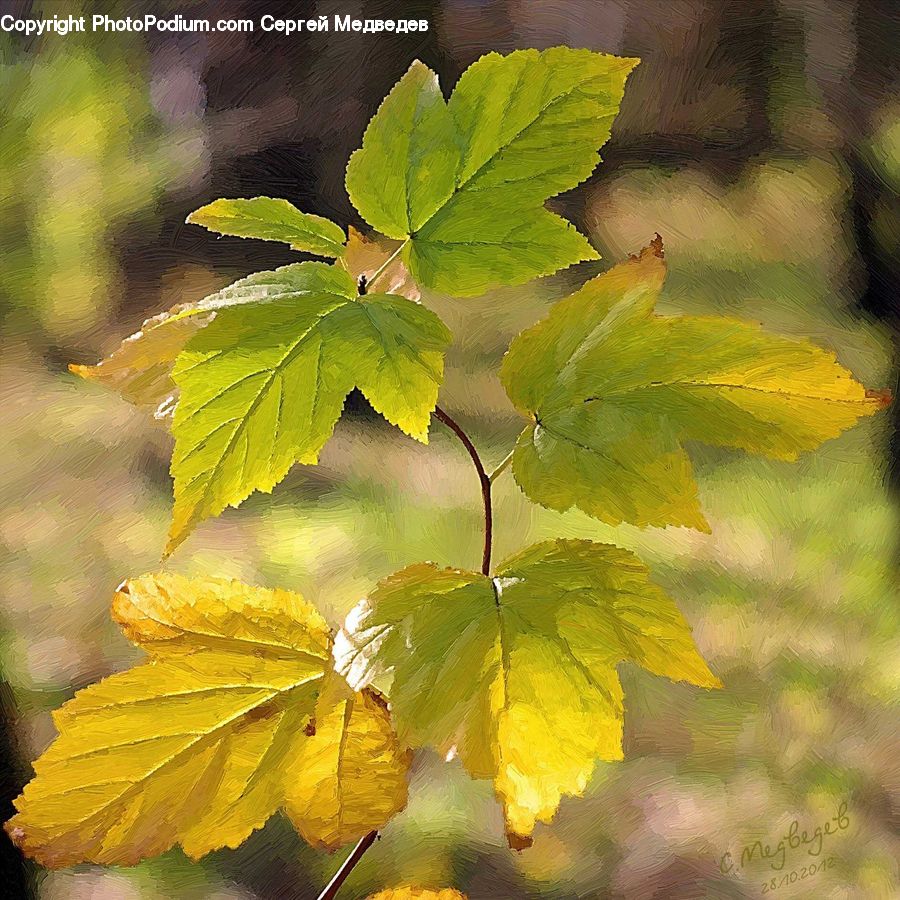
pixel 200 745
pixel 263 385
pixel 464 181
pixel 613 390
pixel 517 673
pixel 272 219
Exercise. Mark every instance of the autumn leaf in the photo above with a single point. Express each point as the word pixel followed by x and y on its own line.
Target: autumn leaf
pixel 202 743
pixel 263 385
pixel 516 673
pixel 272 219
pixel 262 368
pixel 349 772
pixel 140 368
pixel 612 390
pixel 463 182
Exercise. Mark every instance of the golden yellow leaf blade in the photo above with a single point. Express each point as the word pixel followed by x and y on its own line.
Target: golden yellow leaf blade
pixel 349 777
pixel 167 613
pixel 221 728
pixel 516 674
pixel 548 750
pixel 141 755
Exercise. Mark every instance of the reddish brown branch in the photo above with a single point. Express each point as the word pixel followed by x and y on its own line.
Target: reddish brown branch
pixel 483 479
pixel 333 886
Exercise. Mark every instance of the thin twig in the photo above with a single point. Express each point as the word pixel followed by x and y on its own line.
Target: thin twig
pixel 383 267
pixel 502 467
pixel 333 886
pixel 483 480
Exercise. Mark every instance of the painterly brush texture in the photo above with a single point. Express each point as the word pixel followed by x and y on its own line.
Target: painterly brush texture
pixel 517 673
pixel 263 384
pixel 613 390
pixel 236 714
pixel 670 674
pixel 462 182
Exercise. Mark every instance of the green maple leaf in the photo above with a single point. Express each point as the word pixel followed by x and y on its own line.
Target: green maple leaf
pixel 516 673
pixel 264 383
pixel 463 182
pixel 272 219
pixel 612 390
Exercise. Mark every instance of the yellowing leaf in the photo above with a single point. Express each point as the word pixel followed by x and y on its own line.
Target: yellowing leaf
pixel 463 183
pixel 350 773
pixel 612 390
pixel 140 369
pixel 166 614
pixel 263 385
pixel 199 745
pixel 516 673
pixel 410 893
pixel 271 219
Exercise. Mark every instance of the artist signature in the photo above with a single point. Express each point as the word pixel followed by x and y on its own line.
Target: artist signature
pixel 793 839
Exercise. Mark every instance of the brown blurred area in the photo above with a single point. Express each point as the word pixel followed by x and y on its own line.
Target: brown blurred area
pixel 760 137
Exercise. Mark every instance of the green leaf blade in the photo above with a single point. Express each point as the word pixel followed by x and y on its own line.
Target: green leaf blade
pixel 473 244
pixel 263 385
pixel 401 374
pixel 406 167
pixel 464 183
pixel 532 122
pixel 613 390
pixel 272 219
pixel 516 673
pixel 613 466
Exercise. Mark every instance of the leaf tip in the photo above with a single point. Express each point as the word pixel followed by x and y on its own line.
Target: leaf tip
pixel 519 842
pixel 173 542
pixel 883 398
pixel 655 249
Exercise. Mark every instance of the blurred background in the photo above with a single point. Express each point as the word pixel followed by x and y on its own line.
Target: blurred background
pixel 761 138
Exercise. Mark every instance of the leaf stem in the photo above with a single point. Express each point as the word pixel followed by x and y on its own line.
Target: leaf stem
pixel 502 467
pixel 383 267
pixel 483 480
pixel 333 886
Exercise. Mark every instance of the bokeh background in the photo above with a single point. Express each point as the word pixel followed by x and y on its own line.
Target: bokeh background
pixel 761 138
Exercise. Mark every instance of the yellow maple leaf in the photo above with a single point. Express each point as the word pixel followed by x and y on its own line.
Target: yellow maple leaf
pixel 516 674
pixel 201 744
pixel 611 391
